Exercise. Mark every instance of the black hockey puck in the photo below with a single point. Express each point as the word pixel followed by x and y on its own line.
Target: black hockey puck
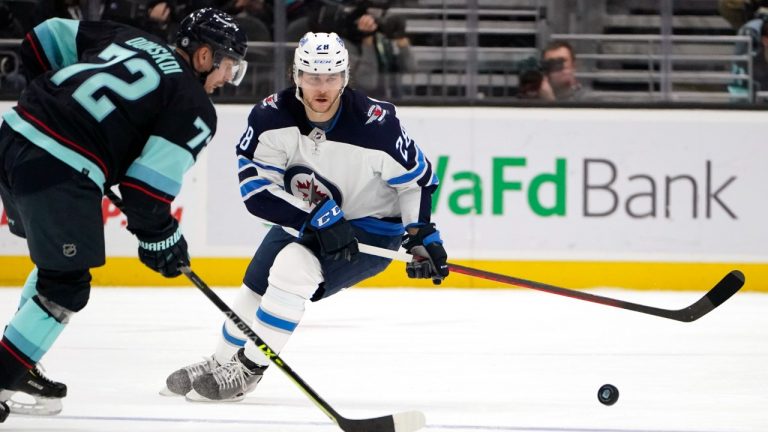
pixel 608 394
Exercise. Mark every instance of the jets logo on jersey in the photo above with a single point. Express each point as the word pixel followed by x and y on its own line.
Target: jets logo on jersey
pixel 309 191
pixel 376 113
pixel 306 184
pixel 270 100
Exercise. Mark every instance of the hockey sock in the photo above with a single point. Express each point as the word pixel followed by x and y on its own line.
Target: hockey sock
pixel 276 319
pixel 232 339
pixel 30 287
pixel 33 329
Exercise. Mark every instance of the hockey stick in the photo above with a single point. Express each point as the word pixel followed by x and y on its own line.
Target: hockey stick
pixel 721 292
pixel 399 422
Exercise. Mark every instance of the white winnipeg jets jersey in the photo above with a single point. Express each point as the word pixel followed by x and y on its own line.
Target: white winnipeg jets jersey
pixel 364 160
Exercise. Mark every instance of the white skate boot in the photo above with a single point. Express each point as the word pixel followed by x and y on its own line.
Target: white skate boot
pixel 229 382
pixel 179 383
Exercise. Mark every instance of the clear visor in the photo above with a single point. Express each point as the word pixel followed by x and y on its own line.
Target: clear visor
pixel 234 69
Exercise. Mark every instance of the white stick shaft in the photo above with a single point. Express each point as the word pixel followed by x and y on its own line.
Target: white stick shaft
pixel 385 253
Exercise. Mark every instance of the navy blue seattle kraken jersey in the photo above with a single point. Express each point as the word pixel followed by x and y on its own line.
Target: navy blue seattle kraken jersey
pixel 115 103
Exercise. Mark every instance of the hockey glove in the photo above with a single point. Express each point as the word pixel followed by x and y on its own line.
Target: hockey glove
pixel 327 233
pixel 164 252
pixel 429 256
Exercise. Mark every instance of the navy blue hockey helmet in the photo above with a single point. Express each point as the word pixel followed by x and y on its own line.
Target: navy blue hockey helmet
pixel 218 30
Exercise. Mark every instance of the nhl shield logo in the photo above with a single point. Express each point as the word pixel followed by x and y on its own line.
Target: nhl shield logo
pixel 69 250
pixel 317 135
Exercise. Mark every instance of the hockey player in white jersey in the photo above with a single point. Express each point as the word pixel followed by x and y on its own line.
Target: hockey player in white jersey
pixel 330 168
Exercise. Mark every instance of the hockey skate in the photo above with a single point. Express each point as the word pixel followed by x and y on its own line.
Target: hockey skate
pixel 229 382
pixel 35 395
pixel 179 383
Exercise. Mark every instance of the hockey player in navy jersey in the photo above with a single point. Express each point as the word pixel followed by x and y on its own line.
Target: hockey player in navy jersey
pixel 107 105
pixel 330 168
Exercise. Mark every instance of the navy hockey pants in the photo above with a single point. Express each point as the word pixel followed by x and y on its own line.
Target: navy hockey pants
pixel 338 274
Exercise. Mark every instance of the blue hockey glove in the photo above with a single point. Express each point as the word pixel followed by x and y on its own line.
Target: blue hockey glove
pixel 429 256
pixel 164 252
pixel 327 233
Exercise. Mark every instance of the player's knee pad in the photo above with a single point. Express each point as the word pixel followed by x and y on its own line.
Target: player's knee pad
pixel 296 270
pixel 67 289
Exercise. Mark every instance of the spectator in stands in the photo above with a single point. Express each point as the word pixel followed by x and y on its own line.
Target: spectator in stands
pixel 534 85
pixel 158 17
pixel 559 65
pixel 380 57
pixel 10 28
pixel 295 16
pixel 757 30
pixel 733 11
pixel 253 16
pixel 738 12
pixel 379 49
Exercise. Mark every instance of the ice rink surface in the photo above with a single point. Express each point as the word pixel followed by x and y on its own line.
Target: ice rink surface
pixel 471 360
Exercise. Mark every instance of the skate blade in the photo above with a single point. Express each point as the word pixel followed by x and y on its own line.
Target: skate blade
pixel 409 421
pixel 194 396
pixel 24 404
pixel 165 391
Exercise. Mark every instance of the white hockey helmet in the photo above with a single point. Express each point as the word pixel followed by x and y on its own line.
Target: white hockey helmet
pixel 321 53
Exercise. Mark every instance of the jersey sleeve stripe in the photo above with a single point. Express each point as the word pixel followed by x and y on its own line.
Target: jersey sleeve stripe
pixel 252 186
pixel 248 171
pixel 32 44
pixel 415 173
pixel 95 172
pixel 434 180
pixel 162 165
pixel 58 38
pixel 153 178
pixel 243 162
pixel 145 191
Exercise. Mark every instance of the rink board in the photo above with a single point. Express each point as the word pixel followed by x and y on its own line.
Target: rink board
pixel 127 271
pixel 578 197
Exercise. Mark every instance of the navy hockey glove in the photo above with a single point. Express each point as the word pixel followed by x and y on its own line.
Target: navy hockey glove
pixel 429 256
pixel 164 252
pixel 327 233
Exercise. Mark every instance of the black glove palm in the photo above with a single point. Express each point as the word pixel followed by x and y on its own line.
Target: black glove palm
pixel 429 256
pixel 327 233
pixel 164 252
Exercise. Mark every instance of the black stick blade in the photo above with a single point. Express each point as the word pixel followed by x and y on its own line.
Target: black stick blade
pixel 409 421
pixel 730 285
pixel 725 289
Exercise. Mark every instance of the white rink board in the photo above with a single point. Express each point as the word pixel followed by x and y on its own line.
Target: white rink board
pixel 674 185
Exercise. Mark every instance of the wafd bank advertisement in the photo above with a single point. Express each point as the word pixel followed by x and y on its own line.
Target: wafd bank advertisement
pixel 558 193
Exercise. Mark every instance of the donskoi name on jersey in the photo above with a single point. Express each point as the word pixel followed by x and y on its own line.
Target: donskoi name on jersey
pixel 160 54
